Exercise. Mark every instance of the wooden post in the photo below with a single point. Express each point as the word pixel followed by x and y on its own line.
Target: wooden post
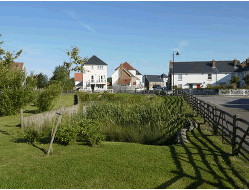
pixel 234 134
pixel 55 129
pixel 215 124
pixel 21 118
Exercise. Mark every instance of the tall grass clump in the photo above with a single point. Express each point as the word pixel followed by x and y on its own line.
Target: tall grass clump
pixel 150 120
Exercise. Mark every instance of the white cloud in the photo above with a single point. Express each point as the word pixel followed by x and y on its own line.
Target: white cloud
pixel 181 45
pixel 75 17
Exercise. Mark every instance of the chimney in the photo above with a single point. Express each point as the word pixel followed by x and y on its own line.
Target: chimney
pixel 235 62
pixel 213 63
pixel 170 64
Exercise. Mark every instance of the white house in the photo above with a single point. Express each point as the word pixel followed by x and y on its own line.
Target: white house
pixel 126 75
pixel 201 73
pixel 94 77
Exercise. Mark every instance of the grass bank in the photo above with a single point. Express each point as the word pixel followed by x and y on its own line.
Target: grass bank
pixel 202 163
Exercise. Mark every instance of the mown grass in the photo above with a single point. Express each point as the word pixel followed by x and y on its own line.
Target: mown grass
pixel 202 163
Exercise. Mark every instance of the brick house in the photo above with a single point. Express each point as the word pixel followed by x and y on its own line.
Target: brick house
pixel 126 75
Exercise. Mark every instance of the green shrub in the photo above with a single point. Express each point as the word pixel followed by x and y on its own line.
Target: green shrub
pixel 66 133
pixel 85 96
pixel 31 135
pixel 90 132
pixel 46 98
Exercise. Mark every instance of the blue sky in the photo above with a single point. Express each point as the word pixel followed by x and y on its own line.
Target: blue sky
pixel 142 33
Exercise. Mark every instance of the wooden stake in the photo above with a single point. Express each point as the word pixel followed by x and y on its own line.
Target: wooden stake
pixel 52 140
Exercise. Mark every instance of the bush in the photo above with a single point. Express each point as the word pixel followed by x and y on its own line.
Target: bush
pixel 66 133
pixel 90 132
pixel 46 97
pixel 31 135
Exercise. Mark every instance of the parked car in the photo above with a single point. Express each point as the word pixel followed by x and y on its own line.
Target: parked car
pixel 157 87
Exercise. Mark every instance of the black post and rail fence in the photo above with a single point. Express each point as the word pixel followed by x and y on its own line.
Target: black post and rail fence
pixel 232 129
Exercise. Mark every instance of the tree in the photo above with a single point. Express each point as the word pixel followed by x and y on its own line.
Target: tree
pixel 15 88
pixel 42 80
pixel 234 82
pixel 61 73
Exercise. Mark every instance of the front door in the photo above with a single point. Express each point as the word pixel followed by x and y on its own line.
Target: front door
pixel 198 86
pixel 92 87
pixel 191 86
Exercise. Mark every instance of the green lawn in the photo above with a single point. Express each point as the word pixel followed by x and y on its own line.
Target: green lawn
pixel 204 162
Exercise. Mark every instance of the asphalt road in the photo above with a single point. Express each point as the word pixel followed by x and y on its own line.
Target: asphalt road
pixel 232 105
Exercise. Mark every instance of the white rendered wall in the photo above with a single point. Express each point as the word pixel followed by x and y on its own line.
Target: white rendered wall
pixel 92 70
pixel 115 77
pixel 201 79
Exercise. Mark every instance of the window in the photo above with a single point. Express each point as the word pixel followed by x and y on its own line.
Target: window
pixel 180 77
pixel 92 67
pixel 100 67
pixel 209 76
pixel 179 85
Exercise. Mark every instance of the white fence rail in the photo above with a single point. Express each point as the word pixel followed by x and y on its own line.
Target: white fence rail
pixel 235 92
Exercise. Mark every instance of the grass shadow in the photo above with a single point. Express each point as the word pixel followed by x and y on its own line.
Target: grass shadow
pixel 31 111
pixel 205 158
pixel 4 132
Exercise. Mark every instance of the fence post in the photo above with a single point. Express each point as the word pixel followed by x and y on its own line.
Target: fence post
pixel 21 118
pixel 234 134
pixel 215 124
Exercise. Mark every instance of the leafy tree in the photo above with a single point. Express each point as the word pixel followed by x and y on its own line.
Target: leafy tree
pixel 15 88
pixel 235 80
pixel 61 73
pixel 42 80
pixel 75 59
pixel 69 85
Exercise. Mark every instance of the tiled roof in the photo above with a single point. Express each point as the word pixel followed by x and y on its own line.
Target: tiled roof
pixel 78 76
pixel 127 66
pixel 154 78
pixel 204 67
pixel 94 60
pixel 17 64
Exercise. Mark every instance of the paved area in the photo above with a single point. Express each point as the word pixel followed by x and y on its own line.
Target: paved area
pixel 233 105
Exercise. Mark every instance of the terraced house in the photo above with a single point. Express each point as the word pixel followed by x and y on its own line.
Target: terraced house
pixel 95 76
pixel 198 74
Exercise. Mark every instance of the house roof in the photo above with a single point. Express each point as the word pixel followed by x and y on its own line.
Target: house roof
pixel 138 73
pixel 80 84
pixel 154 78
pixel 204 67
pixel 127 66
pixel 124 81
pixel 17 65
pixel 78 76
pixel 163 76
pixel 94 60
